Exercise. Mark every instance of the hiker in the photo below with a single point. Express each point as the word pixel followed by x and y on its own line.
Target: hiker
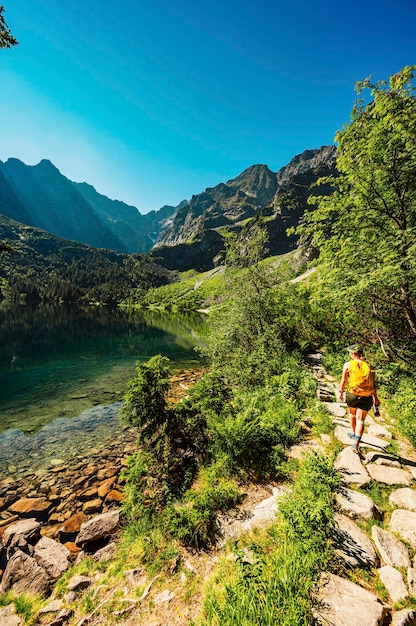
pixel 361 394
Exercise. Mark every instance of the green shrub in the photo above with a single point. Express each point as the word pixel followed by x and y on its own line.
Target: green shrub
pixel 145 400
pixel 402 406
pixel 194 520
pixel 250 436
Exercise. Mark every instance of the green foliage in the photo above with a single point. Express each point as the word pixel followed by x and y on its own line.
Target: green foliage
pixel 402 406
pixel 145 401
pixel 273 578
pixel 252 436
pixel 42 267
pixel 308 509
pixel 366 230
pixel 6 38
pixel 194 520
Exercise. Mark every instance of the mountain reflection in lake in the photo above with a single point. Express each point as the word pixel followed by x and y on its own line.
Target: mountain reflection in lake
pixel 57 361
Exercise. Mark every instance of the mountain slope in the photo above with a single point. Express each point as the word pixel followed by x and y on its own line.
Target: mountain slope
pixel 41 196
pixel 195 235
pixel 41 266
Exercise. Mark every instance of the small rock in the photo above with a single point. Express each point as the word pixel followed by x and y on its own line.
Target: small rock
pixel 98 527
pixel 52 607
pixel 381 458
pixel 9 617
pixel 379 431
pixel 135 577
pixel 405 617
pixel 114 496
pixel 356 504
pixel 78 582
pixel 52 556
pixel 105 487
pixel 106 553
pixel 349 465
pixel 72 525
pixel 31 507
pixel 163 597
pixel 352 544
pixel 28 529
pixel 343 603
pixel 393 582
pixel 93 506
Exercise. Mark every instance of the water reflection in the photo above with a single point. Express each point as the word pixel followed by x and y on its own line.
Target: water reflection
pixel 57 361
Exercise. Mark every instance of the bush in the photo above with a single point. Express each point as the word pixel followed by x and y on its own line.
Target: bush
pixel 250 436
pixel 402 407
pixel 145 400
pixel 194 520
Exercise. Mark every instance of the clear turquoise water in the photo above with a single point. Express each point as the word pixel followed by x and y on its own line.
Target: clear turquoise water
pixel 57 362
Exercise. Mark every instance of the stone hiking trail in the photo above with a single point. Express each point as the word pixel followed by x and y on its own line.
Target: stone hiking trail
pixel 34 560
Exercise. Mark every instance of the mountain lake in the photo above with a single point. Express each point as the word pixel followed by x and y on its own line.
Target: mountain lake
pixel 64 372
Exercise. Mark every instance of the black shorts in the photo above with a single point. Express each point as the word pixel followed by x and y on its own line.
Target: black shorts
pixel 359 402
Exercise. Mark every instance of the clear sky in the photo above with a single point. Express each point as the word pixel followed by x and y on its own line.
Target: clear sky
pixel 152 101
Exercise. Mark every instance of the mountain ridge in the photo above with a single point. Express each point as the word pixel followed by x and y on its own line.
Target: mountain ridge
pixel 189 236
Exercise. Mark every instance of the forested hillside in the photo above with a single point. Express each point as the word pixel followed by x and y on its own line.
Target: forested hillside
pixel 36 265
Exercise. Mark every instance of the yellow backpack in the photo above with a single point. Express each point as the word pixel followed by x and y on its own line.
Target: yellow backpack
pixel 361 378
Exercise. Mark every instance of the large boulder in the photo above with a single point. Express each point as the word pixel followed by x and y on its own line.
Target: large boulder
pixel 23 573
pixel 98 527
pixel 352 544
pixel 52 556
pixel 404 524
pixel 343 603
pixel 392 551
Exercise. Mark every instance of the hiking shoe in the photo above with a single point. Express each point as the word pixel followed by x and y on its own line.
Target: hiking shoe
pixel 351 435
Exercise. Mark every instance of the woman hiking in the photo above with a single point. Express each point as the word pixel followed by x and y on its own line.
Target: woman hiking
pixel 361 393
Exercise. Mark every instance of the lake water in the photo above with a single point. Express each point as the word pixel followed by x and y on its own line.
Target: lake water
pixel 61 362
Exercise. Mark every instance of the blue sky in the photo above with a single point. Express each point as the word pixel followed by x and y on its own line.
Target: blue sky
pixel 152 101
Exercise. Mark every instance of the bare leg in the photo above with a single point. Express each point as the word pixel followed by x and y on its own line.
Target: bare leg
pixel 352 416
pixel 360 419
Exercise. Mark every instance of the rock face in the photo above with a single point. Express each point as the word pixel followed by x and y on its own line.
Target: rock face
pixel 193 238
pixel 41 196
